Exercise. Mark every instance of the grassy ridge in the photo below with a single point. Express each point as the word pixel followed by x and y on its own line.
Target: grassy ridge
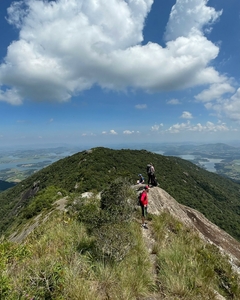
pixel 68 257
pixel 216 197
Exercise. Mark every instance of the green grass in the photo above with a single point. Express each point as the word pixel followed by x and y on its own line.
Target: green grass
pixel 58 261
pixel 57 264
pixel 188 268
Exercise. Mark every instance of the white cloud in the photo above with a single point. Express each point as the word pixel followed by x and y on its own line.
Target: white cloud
pixel 186 115
pixel 113 132
pixel 89 134
pixel 228 107
pixel 190 16
pixel 208 127
pixel 173 102
pixel 11 96
pixel 156 127
pixel 65 47
pixel 128 132
pixel 176 128
pixel 110 132
pixel 215 91
pixel 141 106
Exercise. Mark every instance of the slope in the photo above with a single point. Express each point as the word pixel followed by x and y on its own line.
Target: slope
pixel 4 185
pixel 59 259
pixel 214 196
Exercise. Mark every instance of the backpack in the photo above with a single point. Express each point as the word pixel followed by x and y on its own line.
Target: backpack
pixel 154 181
pixel 149 169
pixel 139 199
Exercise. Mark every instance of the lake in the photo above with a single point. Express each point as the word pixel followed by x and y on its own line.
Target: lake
pixel 208 164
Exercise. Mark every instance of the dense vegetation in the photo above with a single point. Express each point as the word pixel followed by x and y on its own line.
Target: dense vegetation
pixel 4 185
pixel 215 196
pixel 102 255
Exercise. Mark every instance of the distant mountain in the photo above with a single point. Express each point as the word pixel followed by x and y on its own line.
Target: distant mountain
pixel 216 148
pixel 4 185
pixel 93 170
pixel 219 147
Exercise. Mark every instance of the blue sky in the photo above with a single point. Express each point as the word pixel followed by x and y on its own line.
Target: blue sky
pixel 99 72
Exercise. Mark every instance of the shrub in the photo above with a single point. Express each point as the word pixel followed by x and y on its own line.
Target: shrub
pixel 118 201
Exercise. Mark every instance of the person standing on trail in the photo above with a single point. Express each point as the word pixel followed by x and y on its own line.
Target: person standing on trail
pixel 150 172
pixel 144 205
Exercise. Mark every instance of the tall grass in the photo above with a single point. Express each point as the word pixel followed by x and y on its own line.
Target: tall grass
pixel 188 268
pixel 60 264
pixel 66 259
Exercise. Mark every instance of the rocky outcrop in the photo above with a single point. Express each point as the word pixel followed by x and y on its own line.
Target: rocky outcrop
pixel 160 200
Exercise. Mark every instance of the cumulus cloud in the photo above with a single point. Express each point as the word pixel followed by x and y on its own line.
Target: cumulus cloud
pixel 189 17
pixel 65 47
pixel 208 127
pixel 186 115
pixel 156 127
pixel 176 128
pixel 228 107
pixel 128 132
pixel 215 91
pixel 10 95
pixel 112 131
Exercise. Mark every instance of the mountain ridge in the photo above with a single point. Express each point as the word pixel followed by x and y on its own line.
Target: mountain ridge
pixel 92 170
pixel 62 243
pixel 160 203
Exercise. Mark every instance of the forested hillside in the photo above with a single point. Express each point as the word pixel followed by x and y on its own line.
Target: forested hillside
pixel 216 197
pixel 4 185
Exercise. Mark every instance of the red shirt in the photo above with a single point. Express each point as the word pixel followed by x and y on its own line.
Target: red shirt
pixel 144 198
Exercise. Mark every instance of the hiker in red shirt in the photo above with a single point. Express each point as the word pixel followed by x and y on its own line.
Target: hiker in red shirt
pixel 144 204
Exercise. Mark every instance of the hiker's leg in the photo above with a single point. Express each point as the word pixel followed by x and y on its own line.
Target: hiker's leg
pixel 152 179
pixel 143 212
